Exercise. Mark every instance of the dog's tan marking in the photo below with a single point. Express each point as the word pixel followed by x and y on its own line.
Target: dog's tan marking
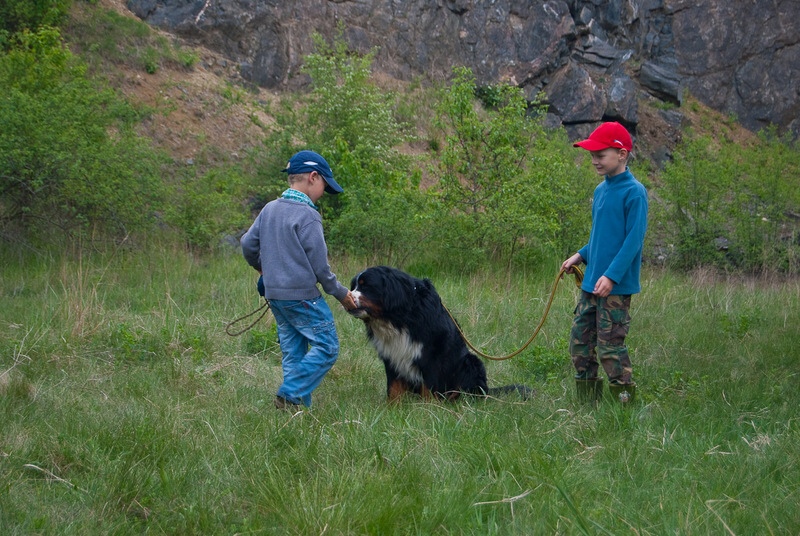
pixel 397 389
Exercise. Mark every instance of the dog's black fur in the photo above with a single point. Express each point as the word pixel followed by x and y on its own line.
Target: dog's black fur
pixel 419 344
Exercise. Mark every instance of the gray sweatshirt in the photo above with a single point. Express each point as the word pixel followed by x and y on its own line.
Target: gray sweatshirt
pixel 287 244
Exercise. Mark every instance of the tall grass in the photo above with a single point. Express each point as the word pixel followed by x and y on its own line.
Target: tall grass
pixel 125 408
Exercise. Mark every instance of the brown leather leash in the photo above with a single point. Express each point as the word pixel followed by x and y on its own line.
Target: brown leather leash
pixel 577 271
pixel 248 315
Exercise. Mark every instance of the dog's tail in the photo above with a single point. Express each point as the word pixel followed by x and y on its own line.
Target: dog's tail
pixel 524 391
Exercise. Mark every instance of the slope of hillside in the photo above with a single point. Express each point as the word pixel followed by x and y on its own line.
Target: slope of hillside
pixel 207 111
pixel 201 110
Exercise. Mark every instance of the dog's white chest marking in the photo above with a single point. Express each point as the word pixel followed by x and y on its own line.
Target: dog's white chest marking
pixel 396 346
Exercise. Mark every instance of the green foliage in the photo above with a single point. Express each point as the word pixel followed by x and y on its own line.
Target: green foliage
pixel 484 154
pixel 345 105
pixel 733 206
pixel 104 36
pixel 207 205
pixel 569 186
pixel 505 187
pixel 68 153
pixel 545 363
pixel 38 62
pixel 491 184
pixel 258 341
pixel 17 16
pixel 505 184
pixel 385 215
pixel 350 121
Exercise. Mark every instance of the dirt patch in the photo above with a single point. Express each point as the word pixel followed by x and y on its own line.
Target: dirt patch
pixel 197 108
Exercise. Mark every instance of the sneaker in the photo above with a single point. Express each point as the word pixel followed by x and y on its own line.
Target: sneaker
pixel 282 403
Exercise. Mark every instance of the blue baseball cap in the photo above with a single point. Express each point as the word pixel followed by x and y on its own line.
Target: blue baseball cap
pixel 308 161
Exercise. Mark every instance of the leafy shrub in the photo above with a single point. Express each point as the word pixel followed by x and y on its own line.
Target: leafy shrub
pixel 18 16
pixel 732 206
pixel 505 184
pixel 206 206
pixel 68 152
pixel 350 121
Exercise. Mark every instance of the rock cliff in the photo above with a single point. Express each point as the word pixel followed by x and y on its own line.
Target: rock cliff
pixel 594 59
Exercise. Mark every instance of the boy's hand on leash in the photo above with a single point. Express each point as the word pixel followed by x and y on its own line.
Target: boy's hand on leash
pixel 567 265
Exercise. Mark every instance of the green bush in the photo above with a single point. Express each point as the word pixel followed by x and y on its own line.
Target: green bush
pixel 506 187
pixel 208 205
pixel 350 121
pixel 18 16
pixel 732 206
pixel 68 153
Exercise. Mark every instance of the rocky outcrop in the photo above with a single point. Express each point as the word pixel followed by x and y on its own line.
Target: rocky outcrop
pixel 742 57
pixel 593 59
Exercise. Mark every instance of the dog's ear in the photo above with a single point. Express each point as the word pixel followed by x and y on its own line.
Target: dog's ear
pixel 425 288
pixel 354 282
pixel 398 291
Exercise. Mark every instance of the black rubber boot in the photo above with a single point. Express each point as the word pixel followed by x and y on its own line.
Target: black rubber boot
pixel 590 390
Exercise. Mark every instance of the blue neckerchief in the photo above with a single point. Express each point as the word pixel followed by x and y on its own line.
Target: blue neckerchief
pixel 295 195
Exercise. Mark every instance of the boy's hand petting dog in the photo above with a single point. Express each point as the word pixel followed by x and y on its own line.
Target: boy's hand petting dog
pixel 348 302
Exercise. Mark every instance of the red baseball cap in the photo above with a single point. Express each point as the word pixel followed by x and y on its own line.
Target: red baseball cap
pixel 607 135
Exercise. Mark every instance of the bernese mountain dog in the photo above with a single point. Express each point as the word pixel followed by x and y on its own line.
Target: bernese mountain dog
pixel 417 340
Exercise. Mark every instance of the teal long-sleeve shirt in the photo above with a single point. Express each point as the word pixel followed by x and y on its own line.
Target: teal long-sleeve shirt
pixel 619 223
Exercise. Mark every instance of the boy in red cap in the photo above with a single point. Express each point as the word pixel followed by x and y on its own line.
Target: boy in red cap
pixel 613 260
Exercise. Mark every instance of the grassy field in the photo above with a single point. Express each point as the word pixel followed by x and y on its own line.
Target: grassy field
pixel 125 408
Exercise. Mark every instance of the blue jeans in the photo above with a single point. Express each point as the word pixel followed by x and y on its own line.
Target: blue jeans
pixel 309 345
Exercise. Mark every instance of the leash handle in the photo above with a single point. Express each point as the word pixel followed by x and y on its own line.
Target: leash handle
pixel 248 315
pixel 577 272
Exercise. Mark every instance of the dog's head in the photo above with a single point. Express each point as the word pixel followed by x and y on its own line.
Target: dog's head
pixel 384 292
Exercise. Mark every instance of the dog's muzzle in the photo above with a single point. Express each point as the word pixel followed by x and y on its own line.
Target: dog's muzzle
pixel 360 311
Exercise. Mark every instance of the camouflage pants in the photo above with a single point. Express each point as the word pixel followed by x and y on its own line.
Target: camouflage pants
pixel 598 331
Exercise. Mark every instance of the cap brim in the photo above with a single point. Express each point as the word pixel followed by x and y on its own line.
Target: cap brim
pixel 331 186
pixel 592 145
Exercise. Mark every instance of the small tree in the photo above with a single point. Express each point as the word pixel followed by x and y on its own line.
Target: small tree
pixel 350 121
pixel 694 183
pixel 18 16
pixel 503 180
pixel 734 206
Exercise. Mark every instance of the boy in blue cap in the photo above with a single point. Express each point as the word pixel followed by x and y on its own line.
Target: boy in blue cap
pixel 613 260
pixel 287 246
